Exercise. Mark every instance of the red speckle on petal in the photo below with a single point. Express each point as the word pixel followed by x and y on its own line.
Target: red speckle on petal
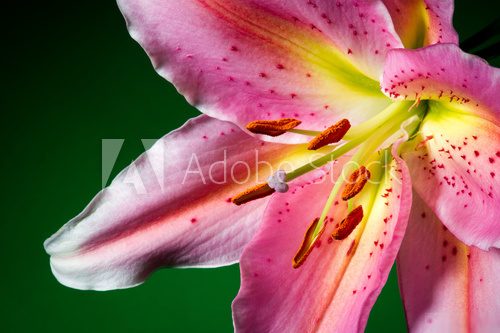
pixel 194 220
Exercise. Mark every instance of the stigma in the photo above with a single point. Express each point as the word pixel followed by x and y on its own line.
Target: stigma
pixel 278 181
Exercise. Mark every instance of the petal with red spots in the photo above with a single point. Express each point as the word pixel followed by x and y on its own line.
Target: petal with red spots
pixel 171 207
pixel 446 285
pixel 455 167
pixel 444 74
pixel 337 285
pixel 315 60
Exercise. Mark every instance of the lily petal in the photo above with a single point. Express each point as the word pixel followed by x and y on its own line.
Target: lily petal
pixel 171 207
pixel 458 157
pixel 423 22
pixel 443 73
pixel 337 285
pixel 318 61
pixel 457 153
pixel 446 285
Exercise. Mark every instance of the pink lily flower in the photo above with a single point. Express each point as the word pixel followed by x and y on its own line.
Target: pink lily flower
pixel 302 83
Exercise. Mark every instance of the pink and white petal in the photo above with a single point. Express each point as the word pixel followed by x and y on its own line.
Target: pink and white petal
pixel 335 288
pixel 446 285
pixel 171 207
pixel 241 61
pixel 443 73
pixel 423 22
pixel 458 157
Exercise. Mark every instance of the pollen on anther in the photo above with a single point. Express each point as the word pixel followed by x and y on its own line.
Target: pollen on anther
pixel 356 182
pixel 253 193
pixel 332 134
pixel 273 127
pixel 311 239
pixel 348 224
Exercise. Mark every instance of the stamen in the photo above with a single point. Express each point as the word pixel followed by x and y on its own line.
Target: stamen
pixel 304 132
pixel 348 224
pixel 332 134
pixel 273 127
pixel 310 239
pixel 357 181
pixel 253 193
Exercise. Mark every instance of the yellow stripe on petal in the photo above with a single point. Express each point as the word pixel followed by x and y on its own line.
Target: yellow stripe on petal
pixel 296 39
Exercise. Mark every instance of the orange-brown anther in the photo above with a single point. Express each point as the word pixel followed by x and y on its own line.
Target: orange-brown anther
pixel 357 181
pixel 348 224
pixel 332 134
pixel 253 193
pixel 308 244
pixel 273 127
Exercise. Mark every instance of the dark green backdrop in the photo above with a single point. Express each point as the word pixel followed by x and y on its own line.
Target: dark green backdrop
pixel 71 76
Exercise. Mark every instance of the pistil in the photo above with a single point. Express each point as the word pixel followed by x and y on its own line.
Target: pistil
pixel 371 135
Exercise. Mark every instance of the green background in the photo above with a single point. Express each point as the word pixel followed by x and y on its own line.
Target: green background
pixel 71 76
